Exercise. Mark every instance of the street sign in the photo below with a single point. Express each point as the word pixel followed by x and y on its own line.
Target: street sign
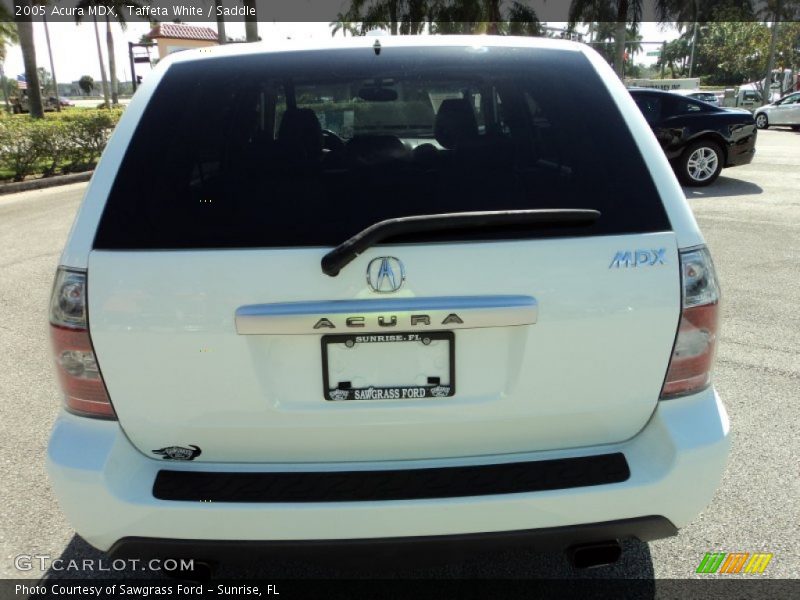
pixel 654 53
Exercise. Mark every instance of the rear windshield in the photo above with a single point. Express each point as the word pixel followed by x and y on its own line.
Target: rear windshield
pixel 308 148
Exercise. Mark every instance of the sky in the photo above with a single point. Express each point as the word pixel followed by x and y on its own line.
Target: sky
pixel 75 48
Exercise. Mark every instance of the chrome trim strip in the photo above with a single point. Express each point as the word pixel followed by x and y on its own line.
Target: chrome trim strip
pixel 396 314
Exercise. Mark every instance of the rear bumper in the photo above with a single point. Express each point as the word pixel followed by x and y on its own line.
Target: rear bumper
pixel 742 152
pixel 390 549
pixel 105 487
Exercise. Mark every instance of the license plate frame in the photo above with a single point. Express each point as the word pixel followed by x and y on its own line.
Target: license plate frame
pixel 402 392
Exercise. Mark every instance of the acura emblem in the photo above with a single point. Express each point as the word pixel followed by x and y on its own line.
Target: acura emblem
pixel 385 274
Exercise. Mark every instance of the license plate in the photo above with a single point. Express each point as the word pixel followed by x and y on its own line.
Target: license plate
pixel 392 366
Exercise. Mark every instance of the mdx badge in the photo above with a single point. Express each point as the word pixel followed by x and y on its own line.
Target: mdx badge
pixel 638 258
pixel 385 274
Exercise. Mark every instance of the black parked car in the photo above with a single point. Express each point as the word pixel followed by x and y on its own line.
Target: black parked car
pixel 698 139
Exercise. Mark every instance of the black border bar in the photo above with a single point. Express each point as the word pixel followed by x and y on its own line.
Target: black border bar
pixel 398 484
pixel 201 11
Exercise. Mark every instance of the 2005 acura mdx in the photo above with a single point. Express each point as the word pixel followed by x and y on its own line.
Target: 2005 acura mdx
pixel 383 293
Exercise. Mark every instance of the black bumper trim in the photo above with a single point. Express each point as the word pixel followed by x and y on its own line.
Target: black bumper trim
pixel 399 484
pixel 643 529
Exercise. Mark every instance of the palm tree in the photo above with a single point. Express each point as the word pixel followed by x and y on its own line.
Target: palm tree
pixel 491 14
pixel 675 52
pixel 405 17
pixel 103 80
pixel 112 60
pixel 684 13
pixel 623 13
pixel 8 35
pixel 221 37
pixel 633 44
pixel 776 11
pixel 49 50
pixel 52 64
pixel 692 16
pixel 409 17
pixel 119 8
pixel 25 34
pixel 250 21
pixel 597 15
pixel 343 24
pixel 86 83
pixel 601 38
pixel 380 12
pixel 626 15
pixel 522 20
pixel 460 17
pixel 85 4
pixel 605 43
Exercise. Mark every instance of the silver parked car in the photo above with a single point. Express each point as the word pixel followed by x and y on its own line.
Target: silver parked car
pixel 707 97
pixel 785 111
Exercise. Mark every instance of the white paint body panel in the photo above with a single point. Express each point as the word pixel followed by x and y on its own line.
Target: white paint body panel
pixel 104 485
pixel 588 372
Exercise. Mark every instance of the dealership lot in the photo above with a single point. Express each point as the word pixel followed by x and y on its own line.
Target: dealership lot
pixel 751 219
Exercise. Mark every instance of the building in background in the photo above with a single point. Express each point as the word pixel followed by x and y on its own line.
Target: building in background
pixel 173 37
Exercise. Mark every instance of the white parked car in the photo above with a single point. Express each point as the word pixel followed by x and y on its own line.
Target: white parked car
pixel 785 111
pixel 707 97
pixel 465 309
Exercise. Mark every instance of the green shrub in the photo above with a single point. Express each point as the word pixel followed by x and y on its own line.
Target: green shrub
pixel 70 141
pixel 20 148
pixel 88 132
pixel 78 114
pixel 54 141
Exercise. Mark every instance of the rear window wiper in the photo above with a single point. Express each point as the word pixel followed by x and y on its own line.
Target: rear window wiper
pixel 335 260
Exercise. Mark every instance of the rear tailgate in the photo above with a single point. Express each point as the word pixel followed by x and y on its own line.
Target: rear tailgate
pixel 539 339
pixel 589 371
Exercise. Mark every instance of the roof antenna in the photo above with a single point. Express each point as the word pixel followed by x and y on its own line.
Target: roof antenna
pixel 377 47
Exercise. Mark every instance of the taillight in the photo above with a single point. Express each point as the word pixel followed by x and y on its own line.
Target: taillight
pixel 693 355
pixel 84 391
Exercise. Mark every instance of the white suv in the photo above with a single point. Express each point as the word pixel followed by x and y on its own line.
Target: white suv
pixel 382 293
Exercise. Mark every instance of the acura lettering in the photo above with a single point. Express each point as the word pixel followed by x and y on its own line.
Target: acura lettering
pixel 336 322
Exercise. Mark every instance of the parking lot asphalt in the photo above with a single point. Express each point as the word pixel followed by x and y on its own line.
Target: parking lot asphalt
pixel 751 220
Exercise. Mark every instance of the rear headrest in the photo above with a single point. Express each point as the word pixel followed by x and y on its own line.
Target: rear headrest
pixel 374 149
pixel 455 123
pixel 300 134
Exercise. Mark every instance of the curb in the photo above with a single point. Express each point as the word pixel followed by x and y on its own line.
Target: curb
pixel 44 182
